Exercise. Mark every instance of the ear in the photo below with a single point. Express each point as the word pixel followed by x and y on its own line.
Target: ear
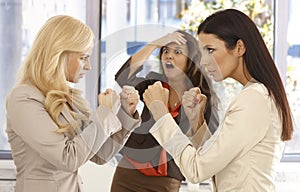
pixel 240 48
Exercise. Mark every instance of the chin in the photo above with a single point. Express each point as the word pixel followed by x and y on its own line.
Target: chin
pixel 74 81
pixel 217 79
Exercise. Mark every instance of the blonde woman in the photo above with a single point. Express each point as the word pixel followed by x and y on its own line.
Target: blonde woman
pixel 49 124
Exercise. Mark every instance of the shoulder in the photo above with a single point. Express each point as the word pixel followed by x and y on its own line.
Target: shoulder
pixel 254 91
pixel 25 92
pixel 254 95
pixel 253 106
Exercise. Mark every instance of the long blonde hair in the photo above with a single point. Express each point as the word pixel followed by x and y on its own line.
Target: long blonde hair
pixel 44 66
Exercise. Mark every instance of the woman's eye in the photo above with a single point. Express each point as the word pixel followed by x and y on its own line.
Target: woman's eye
pixel 84 58
pixel 178 51
pixel 165 51
pixel 210 50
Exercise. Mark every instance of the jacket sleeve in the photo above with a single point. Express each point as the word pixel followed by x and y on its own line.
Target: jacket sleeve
pixel 122 76
pixel 140 83
pixel 243 126
pixel 30 120
pixel 116 141
pixel 200 136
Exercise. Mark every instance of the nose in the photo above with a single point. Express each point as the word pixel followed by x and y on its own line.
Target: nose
pixel 87 66
pixel 203 63
pixel 204 60
pixel 169 56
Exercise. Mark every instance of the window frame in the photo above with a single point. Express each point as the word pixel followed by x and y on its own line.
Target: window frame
pixel 5 155
pixel 281 18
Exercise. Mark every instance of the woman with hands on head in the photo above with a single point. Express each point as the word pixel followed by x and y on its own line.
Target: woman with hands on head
pixel 50 126
pixel 246 148
pixel 145 165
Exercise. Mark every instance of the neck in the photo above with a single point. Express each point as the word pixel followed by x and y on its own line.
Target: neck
pixel 244 78
pixel 179 87
pixel 242 74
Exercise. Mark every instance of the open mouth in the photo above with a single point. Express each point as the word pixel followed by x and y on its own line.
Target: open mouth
pixel 169 65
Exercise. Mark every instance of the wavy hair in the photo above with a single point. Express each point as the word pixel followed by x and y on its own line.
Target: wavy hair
pixel 230 25
pixel 44 67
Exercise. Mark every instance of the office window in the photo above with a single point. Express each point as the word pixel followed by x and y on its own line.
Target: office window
pixel 125 31
pixel 293 72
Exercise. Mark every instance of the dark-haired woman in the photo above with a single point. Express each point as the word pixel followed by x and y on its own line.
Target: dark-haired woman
pixel 145 165
pixel 246 148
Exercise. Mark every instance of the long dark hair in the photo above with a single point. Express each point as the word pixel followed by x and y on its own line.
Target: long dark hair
pixel 230 25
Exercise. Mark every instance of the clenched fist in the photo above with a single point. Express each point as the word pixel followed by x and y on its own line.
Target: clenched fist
pixel 156 98
pixel 110 99
pixel 129 99
pixel 194 104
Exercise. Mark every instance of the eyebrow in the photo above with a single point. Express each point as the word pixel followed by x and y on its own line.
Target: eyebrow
pixel 207 46
pixel 85 55
pixel 181 48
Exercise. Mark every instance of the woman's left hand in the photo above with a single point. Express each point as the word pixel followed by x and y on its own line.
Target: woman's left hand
pixel 156 98
pixel 129 99
pixel 194 102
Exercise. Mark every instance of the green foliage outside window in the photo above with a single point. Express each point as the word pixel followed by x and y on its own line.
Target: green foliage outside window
pixel 258 10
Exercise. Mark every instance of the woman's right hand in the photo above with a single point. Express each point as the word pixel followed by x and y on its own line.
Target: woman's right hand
pixel 109 98
pixel 175 37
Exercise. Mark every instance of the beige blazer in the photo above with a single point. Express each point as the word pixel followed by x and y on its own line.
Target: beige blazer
pixel 244 151
pixel 47 161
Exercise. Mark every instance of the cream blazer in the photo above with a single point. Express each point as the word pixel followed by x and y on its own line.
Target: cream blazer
pixel 244 151
pixel 47 161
